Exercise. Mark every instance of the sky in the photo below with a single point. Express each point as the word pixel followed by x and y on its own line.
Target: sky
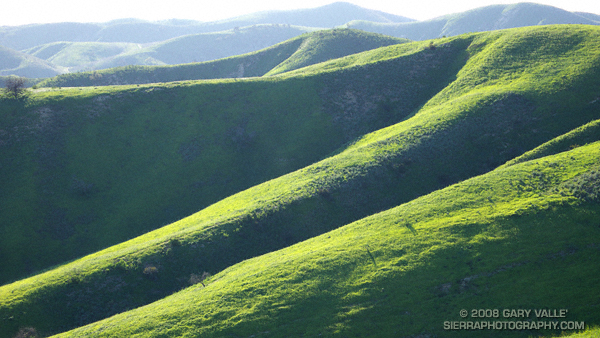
pixel 23 12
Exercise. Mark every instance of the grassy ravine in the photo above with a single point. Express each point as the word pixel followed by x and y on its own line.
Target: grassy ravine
pixel 511 93
pixel 585 134
pixel 481 243
pixel 306 49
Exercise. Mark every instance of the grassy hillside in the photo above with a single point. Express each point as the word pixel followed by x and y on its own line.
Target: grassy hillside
pixel 481 243
pixel 326 45
pixel 78 56
pixel 88 56
pixel 95 154
pixel 309 48
pixel 208 46
pixel 13 62
pixel 129 42
pixel 470 104
pixel 583 135
pixel 93 46
pixel 477 20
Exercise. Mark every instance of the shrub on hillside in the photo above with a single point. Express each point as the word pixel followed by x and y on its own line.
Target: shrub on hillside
pixel 150 271
pixel 27 332
pixel 197 278
pixel 15 86
pixel 585 186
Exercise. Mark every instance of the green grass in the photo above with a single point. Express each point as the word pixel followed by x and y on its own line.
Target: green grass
pixel 327 45
pixel 308 48
pixel 585 134
pixel 478 244
pixel 383 128
pixel 593 332
pixel 196 143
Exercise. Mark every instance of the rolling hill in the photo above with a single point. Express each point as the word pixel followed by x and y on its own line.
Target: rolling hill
pixel 13 62
pixel 75 56
pixel 478 20
pixel 408 270
pixel 138 31
pixel 207 46
pixel 340 198
pixel 306 49
pixel 126 42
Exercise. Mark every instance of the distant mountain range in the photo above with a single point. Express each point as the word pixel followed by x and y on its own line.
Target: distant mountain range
pixel 487 18
pixel 47 50
pixel 138 31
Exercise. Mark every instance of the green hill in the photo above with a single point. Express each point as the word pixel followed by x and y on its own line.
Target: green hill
pixel 127 42
pixel 479 244
pixel 106 163
pixel 585 134
pixel 306 49
pixel 88 56
pixel 478 20
pixel 13 62
pixel 199 142
pixel 207 46
pixel 94 46
pixel 78 56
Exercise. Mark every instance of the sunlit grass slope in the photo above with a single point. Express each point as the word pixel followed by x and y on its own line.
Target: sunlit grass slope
pixel 300 51
pixel 479 121
pixel 593 332
pixel 322 46
pixel 522 237
pixel 87 168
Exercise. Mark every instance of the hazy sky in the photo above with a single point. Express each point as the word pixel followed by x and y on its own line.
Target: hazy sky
pixel 42 11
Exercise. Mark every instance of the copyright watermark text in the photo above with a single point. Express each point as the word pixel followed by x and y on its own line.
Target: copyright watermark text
pixel 514 319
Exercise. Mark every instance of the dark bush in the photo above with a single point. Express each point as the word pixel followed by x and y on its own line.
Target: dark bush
pixel 27 332
pixel 15 86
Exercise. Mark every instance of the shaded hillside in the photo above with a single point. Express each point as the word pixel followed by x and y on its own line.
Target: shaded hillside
pixel 409 270
pixel 585 134
pixel 13 62
pixel 488 18
pixel 309 48
pixel 469 104
pixel 196 143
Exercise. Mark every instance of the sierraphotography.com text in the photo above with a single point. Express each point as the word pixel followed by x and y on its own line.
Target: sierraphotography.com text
pixel 514 319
